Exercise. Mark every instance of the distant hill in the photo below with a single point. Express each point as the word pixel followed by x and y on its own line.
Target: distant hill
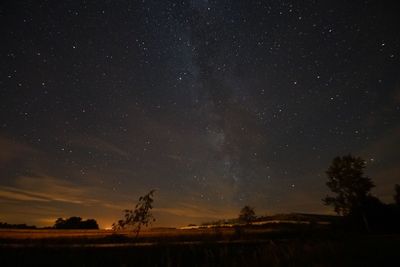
pixel 277 218
pixel 301 217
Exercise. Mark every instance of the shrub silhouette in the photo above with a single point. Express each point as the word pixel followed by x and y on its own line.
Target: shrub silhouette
pixel 75 223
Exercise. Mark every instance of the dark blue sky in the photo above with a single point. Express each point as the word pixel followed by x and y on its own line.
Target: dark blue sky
pixel 216 104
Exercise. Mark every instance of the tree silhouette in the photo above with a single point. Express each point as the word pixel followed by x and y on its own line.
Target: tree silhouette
pixel 397 194
pixel 4 225
pixel 347 181
pixel 75 223
pixel 139 217
pixel 90 224
pixel 59 224
pixel 247 214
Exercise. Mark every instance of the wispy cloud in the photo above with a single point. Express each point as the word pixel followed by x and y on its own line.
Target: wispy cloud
pixel 196 211
pixel 19 195
pixel 47 189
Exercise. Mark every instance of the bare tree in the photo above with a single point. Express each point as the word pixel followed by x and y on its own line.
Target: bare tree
pixel 139 217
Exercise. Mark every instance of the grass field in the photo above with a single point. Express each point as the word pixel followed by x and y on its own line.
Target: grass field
pixel 279 245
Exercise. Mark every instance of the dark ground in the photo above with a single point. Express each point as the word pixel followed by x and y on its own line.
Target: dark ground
pixel 218 248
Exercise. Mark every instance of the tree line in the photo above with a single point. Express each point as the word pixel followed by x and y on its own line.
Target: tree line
pixel 4 225
pixel 73 222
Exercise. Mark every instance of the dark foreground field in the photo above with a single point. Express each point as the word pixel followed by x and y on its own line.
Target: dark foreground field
pixel 200 247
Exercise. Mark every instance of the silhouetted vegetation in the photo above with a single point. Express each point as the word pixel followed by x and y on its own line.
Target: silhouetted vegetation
pixel 247 214
pixel 396 196
pixel 140 216
pixel 16 226
pixel 75 223
pixel 354 201
pixel 347 181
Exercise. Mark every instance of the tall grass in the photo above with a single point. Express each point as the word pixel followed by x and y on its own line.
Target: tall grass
pixel 251 246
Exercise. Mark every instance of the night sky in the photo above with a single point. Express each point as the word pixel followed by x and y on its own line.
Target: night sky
pixel 216 104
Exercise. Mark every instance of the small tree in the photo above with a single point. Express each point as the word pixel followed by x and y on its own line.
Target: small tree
pixel 140 216
pixel 247 214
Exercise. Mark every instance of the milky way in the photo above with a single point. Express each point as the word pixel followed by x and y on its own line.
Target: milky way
pixel 216 104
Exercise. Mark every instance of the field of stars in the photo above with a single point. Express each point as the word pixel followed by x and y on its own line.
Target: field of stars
pixel 215 104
